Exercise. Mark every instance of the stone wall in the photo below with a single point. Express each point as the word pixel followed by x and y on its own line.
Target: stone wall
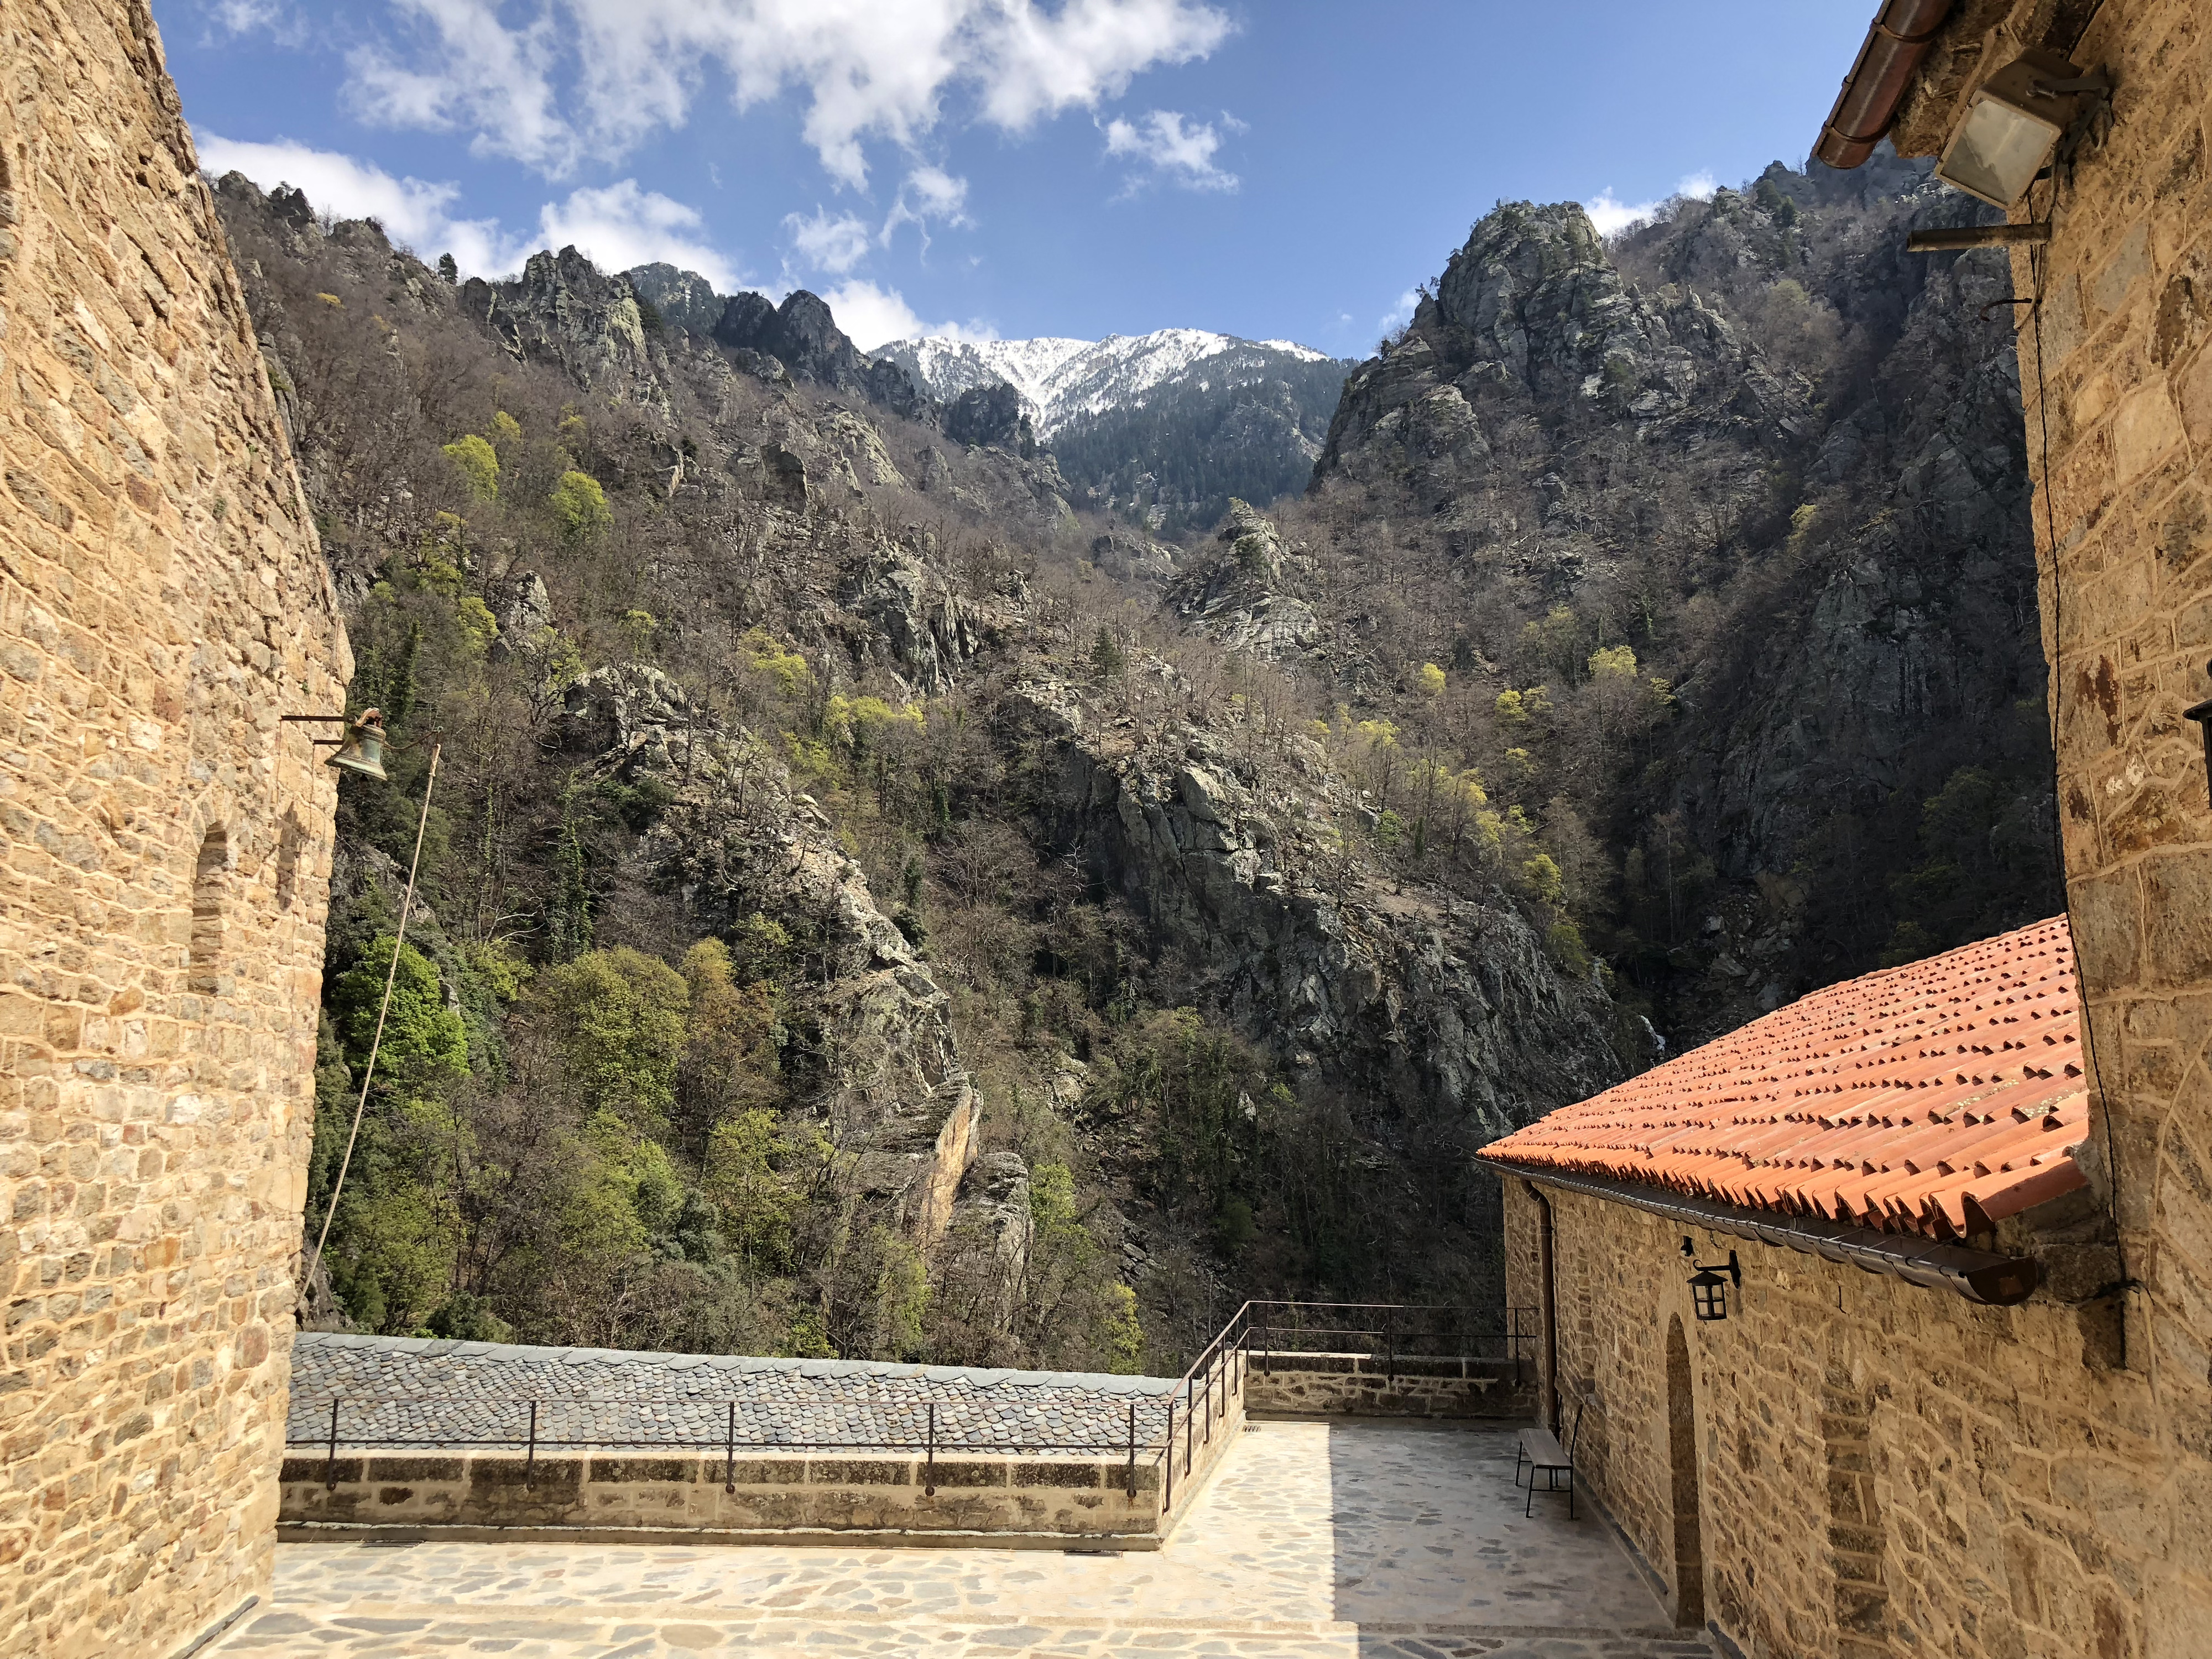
pixel 2116 374
pixel 1871 1468
pixel 692 1496
pixel 166 843
pixel 713 1496
pixel 1361 1385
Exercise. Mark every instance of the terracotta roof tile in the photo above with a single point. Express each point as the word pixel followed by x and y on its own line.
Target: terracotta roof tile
pixel 1935 1098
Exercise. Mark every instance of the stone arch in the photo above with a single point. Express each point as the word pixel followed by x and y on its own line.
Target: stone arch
pixel 1682 1468
pixel 210 901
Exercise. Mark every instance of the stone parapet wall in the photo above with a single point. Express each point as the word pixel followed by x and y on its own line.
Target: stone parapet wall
pixel 1362 1385
pixel 165 845
pixel 1875 1468
pixel 706 1498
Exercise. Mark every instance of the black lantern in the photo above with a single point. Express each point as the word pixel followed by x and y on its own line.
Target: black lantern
pixel 1708 1287
pixel 2202 714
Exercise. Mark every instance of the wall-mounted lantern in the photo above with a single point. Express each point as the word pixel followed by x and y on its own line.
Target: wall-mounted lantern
pixel 2202 714
pixel 1709 1285
pixel 2013 121
pixel 362 749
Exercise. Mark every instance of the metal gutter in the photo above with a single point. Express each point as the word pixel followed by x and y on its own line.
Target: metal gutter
pixel 1980 1276
pixel 1898 38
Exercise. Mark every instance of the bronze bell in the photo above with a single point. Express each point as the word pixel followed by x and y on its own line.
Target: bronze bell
pixel 362 748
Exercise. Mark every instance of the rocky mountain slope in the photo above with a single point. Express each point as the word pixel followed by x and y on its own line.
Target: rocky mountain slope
pixel 857 921
pixel 1743 493
pixel 1160 429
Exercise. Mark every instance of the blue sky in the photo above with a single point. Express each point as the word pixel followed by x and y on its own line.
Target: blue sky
pixel 1012 168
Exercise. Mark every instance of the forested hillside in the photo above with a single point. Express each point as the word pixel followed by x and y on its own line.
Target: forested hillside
pixel 851 920
pixel 877 900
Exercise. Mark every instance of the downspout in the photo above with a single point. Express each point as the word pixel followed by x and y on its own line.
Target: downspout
pixel 1898 38
pixel 1549 1307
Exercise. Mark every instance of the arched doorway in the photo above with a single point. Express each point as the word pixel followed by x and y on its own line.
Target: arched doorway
pixel 1682 1463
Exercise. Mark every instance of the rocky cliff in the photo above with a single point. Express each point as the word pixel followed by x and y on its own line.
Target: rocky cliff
pixel 1778 460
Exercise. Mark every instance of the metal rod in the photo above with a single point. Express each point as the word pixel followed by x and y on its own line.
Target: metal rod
pixel 530 1464
pixel 331 1463
pixel 730 1451
pixel 1133 1452
pixel 1390 1343
pixel 376 1043
pixel 929 1477
pixel 1167 1501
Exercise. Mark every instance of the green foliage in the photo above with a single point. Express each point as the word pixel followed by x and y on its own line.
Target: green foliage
pixel 477 463
pixel 618 1018
pixel 580 507
pixel 424 1039
pixel 1540 875
pixel 1429 680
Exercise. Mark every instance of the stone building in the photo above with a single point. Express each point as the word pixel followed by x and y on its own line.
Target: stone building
pixel 1998 1438
pixel 166 845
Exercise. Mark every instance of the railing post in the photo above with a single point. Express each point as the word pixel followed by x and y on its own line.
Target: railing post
pixel 1133 1452
pixel 1190 1431
pixel 330 1460
pixel 1390 1341
pixel 730 1451
pixel 929 1477
pixel 530 1463
pixel 1167 1460
pixel 1209 1397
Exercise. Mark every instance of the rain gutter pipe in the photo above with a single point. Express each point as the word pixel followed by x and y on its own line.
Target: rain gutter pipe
pixel 1898 38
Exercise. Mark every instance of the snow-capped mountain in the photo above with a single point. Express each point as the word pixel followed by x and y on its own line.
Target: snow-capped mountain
pixel 1063 380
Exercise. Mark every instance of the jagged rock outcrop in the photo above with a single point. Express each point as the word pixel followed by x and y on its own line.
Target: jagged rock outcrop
pixel 1236 596
pixel 913 624
pixel 1532 307
pixel 734 841
pixel 565 311
pixel 1129 557
pixel 991 415
pixel 802 335
pixel 684 298
pixel 1408 996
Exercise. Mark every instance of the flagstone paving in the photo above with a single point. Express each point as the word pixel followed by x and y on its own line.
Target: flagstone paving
pixel 1313 1541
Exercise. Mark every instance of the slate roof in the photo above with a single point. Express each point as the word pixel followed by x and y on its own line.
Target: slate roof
pixel 1933 1099
pixel 404 1391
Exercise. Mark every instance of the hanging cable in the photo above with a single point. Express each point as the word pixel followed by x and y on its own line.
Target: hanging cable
pixel 369 1071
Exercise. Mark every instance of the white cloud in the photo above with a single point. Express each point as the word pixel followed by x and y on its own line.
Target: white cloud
pixel 873 71
pixel 618 226
pixel 1175 146
pixel 1399 314
pixel 930 195
pixel 621 226
pixel 478 76
pixel 1611 215
pixel 874 316
pixel 244 16
pixel 823 243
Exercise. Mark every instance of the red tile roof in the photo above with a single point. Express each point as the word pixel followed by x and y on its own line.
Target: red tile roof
pixel 1934 1099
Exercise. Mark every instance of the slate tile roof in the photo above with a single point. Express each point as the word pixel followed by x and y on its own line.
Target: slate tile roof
pixel 1936 1099
pixel 406 1391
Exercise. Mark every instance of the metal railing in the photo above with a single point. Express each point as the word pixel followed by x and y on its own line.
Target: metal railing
pixel 1144 1432
pixel 909 1426
pixel 1391 1331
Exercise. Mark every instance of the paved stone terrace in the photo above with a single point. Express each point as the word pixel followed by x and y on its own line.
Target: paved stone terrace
pixel 1313 1541
pixel 408 1392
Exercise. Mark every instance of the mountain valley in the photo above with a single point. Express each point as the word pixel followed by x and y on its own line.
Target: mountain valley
pixel 994 851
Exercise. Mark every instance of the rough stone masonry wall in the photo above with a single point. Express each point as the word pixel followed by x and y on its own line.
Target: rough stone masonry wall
pixel 2115 365
pixel 1881 1470
pixel 165 846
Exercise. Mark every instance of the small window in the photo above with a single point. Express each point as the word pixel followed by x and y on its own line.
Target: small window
pixel 210 888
